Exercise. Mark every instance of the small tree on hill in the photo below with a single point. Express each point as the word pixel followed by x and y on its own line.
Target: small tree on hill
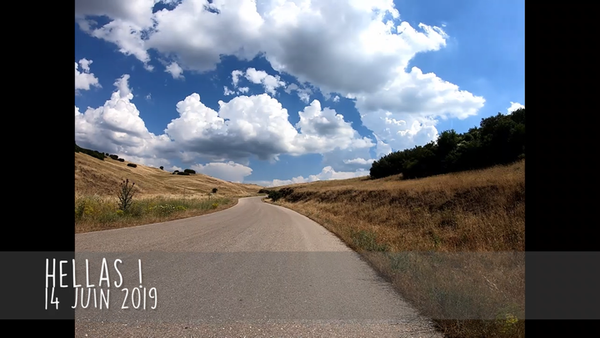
pixel 214 190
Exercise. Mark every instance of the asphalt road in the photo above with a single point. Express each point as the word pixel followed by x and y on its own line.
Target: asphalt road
pixel 253 270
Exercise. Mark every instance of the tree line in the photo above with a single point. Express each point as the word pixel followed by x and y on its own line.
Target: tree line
pixel 499 139
pixel 90 152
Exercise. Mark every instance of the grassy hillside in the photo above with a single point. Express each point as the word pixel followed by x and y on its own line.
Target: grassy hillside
pixel 451 244
pixel 159 195
pixel 101 177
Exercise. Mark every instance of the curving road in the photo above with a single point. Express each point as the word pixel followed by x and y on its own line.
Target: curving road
pixel 253 270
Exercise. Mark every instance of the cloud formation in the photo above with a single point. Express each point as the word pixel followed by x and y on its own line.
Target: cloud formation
pixel 359 49
pixel 175 70
pixel 326 174
pixel 514 106
pixel 228 171
pixel 303 93
pixel 269 82
pixel 117 127
pixel 84 80
pixel 245 127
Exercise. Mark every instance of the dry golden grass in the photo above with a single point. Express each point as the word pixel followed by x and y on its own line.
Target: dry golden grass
pixel 97 183
pixel 473 221
pixel 475 211
pixel 96 177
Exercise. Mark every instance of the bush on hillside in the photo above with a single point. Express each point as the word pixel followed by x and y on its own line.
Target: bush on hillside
pixel 93 153
pixel 286 191
pixel 275 195
pixel 133 165
pixel 189 171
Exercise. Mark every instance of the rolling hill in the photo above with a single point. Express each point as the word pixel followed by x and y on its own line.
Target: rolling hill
pixel 94 176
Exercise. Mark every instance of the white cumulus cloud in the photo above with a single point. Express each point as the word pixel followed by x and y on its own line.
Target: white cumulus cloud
pixel 360 161
pixel 175 70
pixel 229 171
pixel 514 106
pixel 269 82
pixel 326 174
pixel 245 127
pixel 116 127
pixel 359 49
pixel 324 130
pixel 84 80
pixel 127 36
pixel 227 91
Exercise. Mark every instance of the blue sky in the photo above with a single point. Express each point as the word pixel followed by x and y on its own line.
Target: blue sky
pixel 275 92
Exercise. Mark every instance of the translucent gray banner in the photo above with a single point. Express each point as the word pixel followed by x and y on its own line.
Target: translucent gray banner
pixel 299 286
pixel 290 286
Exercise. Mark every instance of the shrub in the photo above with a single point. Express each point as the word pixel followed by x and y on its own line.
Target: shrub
pixel 214 190
pixel 274 195
pixel 121 160
pixel 125 195
pixel 264 191
pixel 114 157
pixel 189 171
pixel 182 173
pixel 285 192
pixel 133 165
pixel 162 168
pixel 135 210
pixel 82 209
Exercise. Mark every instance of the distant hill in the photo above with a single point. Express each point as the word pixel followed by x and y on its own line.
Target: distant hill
pixel 98 174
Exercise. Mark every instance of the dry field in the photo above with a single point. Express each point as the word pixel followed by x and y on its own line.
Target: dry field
pixel 160 196
pixel 96 177
pixel 451 244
